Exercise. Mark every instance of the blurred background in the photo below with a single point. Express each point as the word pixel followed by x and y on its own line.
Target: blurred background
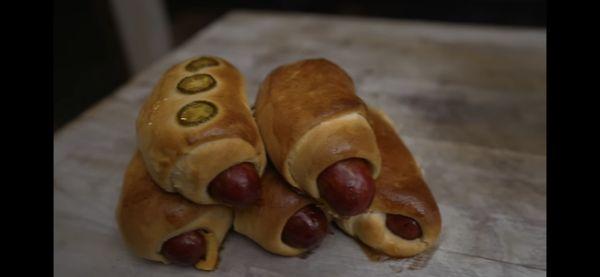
pixel 96 43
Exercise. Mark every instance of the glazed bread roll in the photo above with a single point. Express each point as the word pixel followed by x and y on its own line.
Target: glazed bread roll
pixel 197 135
pixel 316 134
pixel 403 219
pixel 165 227
pixel 283 222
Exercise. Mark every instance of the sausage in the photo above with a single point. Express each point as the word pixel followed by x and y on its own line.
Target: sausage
pixel 347 186
pixel 237 186
pixel 306 228
pixel 185 249
pixel 403 226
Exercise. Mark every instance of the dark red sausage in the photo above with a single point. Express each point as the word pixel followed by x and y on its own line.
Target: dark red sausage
pixel 185 249
pixel 237 186
pixel 347 186
pixel 402 226
pixel 306 228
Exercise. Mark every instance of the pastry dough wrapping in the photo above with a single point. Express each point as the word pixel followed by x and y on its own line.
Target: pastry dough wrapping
pixel 185 149
pixel 148 216
pixel 310 118
pixel 400 189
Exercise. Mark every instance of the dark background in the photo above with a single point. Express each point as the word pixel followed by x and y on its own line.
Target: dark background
pixel 89 63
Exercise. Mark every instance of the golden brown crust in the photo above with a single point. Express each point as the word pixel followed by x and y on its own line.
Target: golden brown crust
pixel 310 118
pixel 147 216
pixel 308 92
pixel 265 221
pixel 400 189
pixel 166 145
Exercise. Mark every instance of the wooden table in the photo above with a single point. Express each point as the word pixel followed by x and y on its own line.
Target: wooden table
pixel 469 101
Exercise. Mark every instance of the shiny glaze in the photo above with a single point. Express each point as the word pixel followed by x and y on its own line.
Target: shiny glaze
pixel 305 93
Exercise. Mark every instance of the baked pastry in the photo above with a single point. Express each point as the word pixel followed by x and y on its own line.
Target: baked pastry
pixel 165 227
pixel 403 219
pixel 316 134
pixel 197 135
pixel 282 222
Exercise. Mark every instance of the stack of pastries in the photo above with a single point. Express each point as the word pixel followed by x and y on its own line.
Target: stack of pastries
pixel 312 152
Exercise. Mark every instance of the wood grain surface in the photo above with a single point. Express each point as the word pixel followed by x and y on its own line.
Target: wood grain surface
pixel 469 101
